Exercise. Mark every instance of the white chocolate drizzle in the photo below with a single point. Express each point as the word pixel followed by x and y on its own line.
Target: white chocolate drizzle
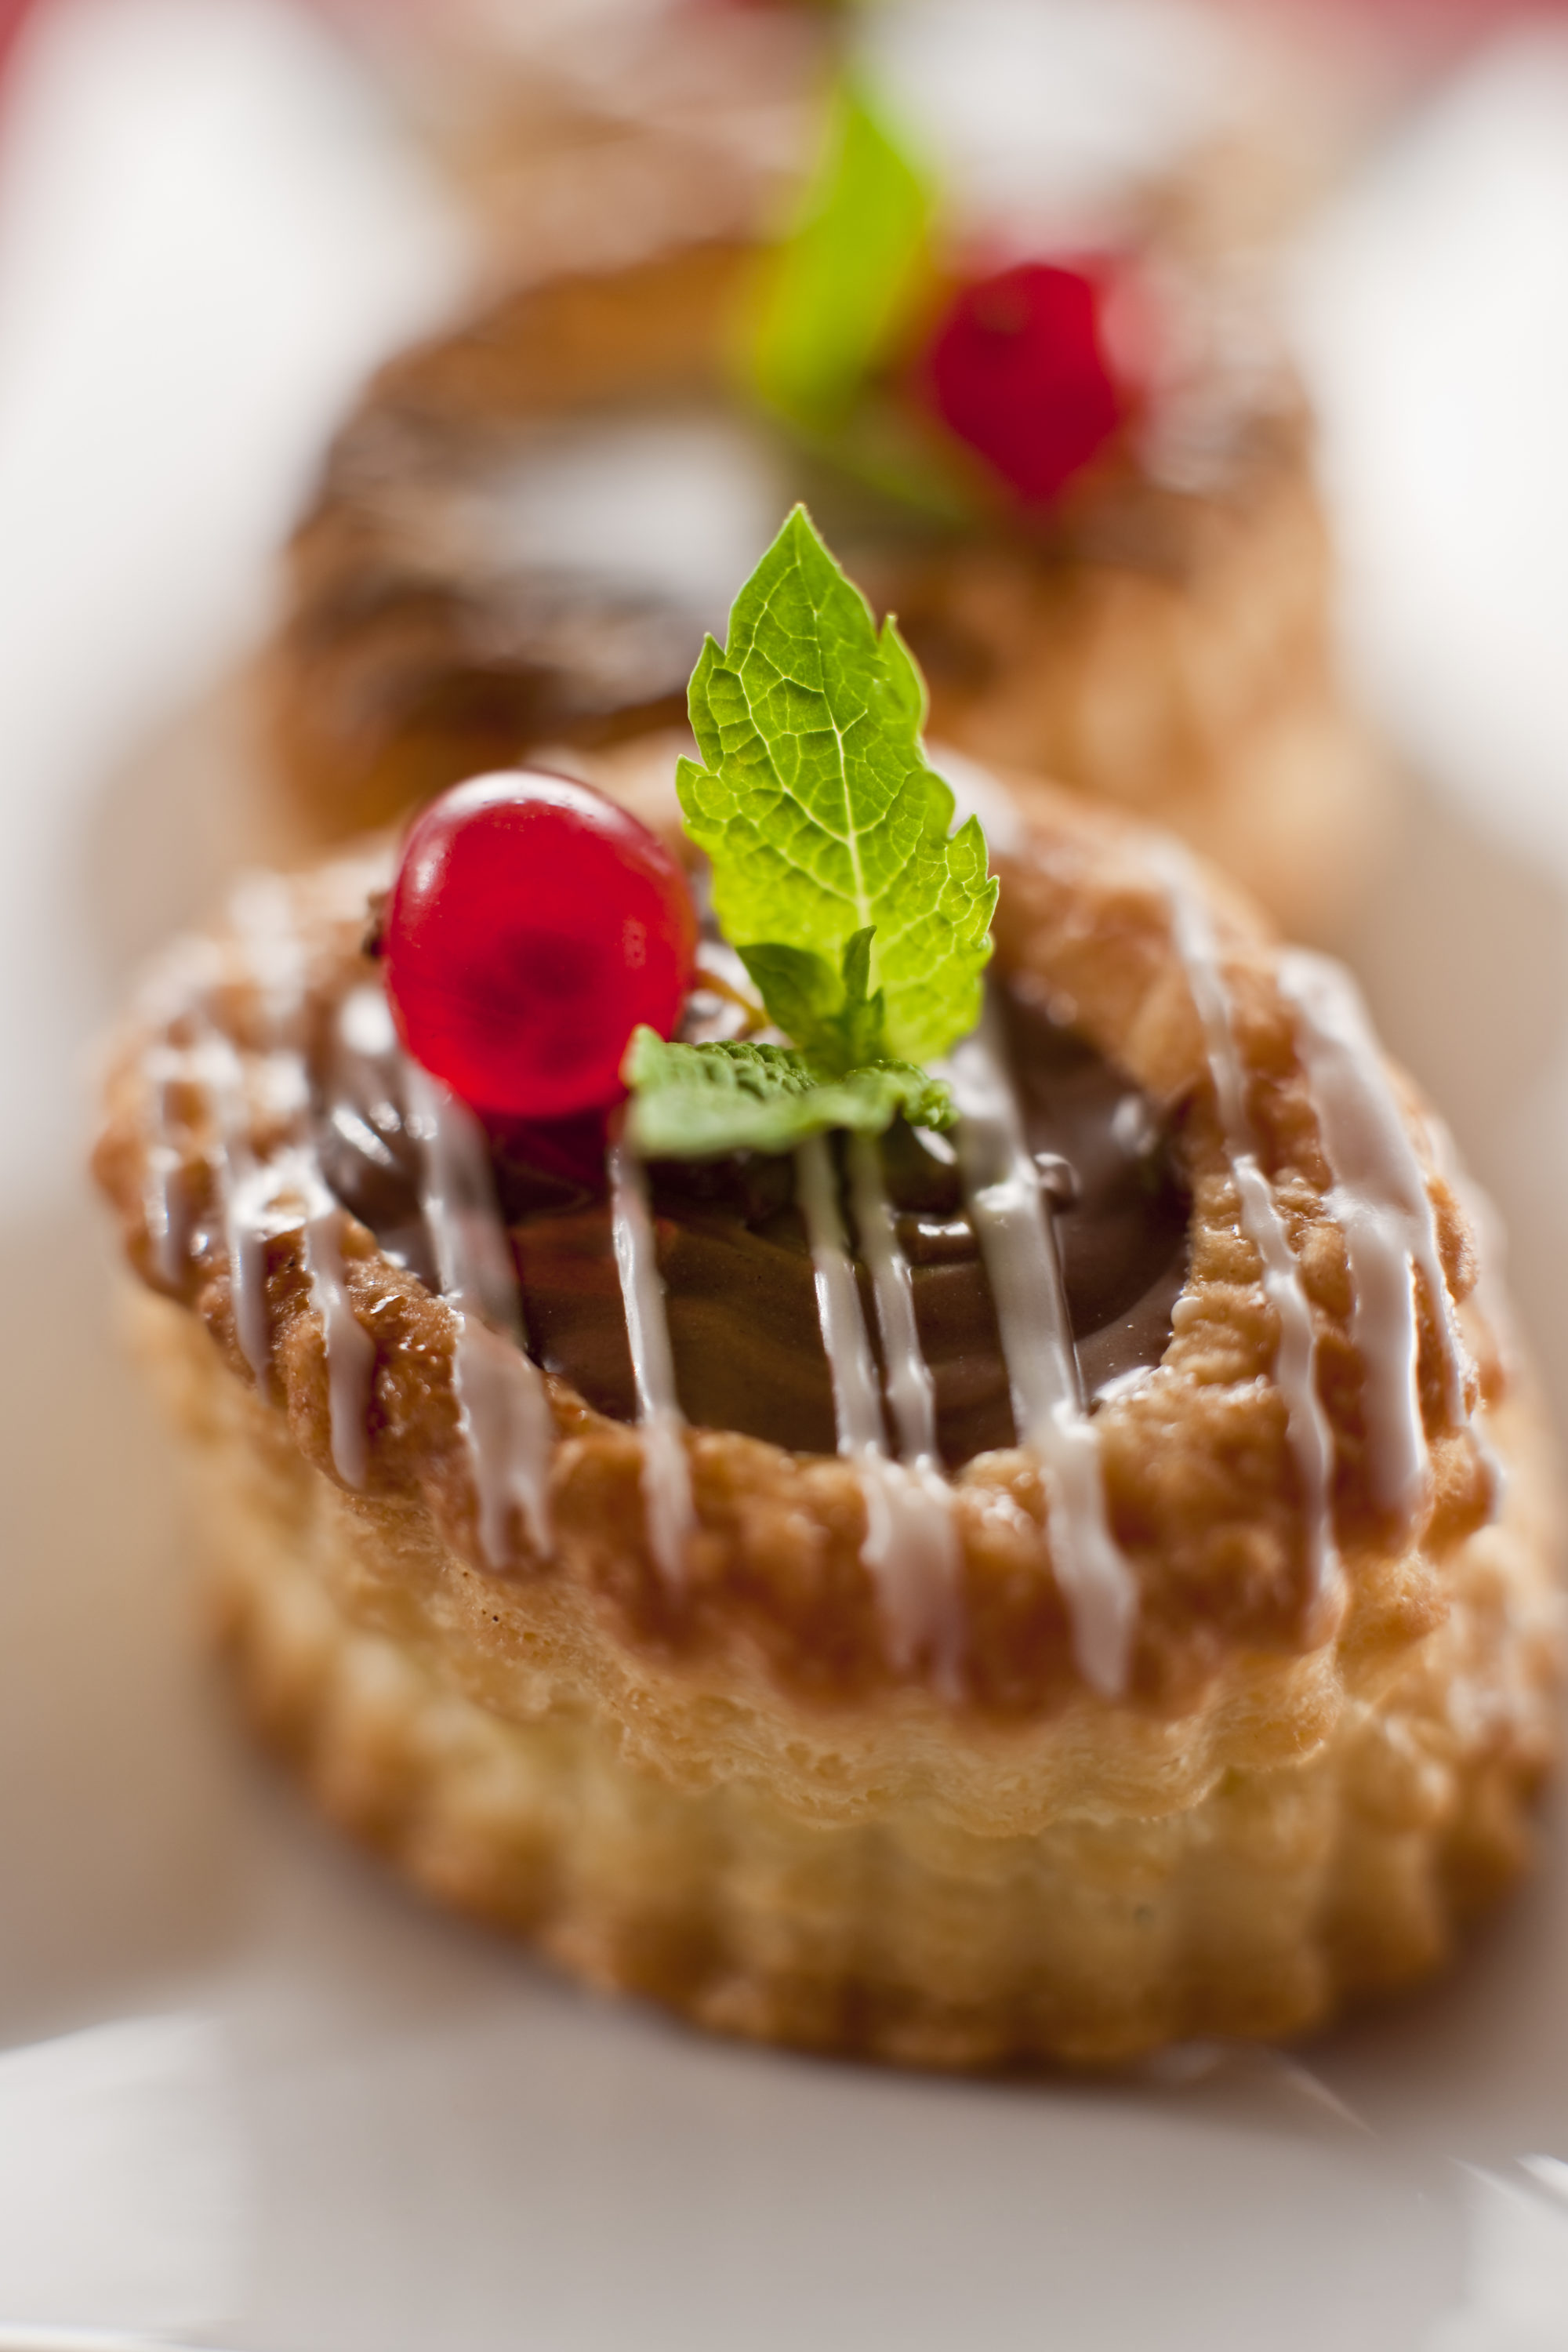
pixel 667 1473
pixel 1295 1356
pixel 1013 1222
pixel 262 915
pixel 912 1394
pixel 210 1068
pixel 255 1200
pixel 503 1411
pixel 908 1547
pixel 912 1542
pixel 166 1235
pixel 247 1195
pixel 1381 1204
pixel 856 1395
pixel 349 1350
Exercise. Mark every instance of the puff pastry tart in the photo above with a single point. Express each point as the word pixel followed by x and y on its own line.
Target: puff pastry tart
pixel 1022 1558
pixel 1066 449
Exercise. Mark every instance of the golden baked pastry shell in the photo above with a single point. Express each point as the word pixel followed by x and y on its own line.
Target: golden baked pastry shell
pixel 732 1795
pixel 883 1880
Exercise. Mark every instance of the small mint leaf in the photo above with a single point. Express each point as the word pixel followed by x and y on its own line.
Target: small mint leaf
pixel 815 804
pixel 837 295
pixel 862 1019
pixel 702 1102
pixel 831 1016
pixel 800 990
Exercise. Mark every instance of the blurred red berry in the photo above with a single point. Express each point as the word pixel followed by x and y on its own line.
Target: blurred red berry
pixel 1019 370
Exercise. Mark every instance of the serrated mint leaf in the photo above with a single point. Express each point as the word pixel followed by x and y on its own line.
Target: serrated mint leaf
pixel 702 1102
pixel 838 291
pixel 831 1016
pixel 815 805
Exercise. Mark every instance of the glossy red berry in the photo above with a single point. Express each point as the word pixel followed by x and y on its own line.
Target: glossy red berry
pixel 531 926
pixel 1019 368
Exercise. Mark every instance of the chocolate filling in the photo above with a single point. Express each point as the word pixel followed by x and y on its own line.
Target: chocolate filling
pixel 733 1251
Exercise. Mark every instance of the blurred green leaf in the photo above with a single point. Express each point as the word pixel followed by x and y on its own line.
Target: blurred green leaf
pixel 837 294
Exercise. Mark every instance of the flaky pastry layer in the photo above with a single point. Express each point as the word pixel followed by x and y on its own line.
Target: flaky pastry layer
pixel 879 1879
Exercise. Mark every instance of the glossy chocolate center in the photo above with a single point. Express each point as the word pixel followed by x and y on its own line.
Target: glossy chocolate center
pixel 733 1251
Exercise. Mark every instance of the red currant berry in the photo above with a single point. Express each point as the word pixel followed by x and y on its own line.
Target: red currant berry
pixel 1019 368
pixel 531 926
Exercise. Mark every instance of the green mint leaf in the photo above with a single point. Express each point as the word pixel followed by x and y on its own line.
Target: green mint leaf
pixel 832 1015
pixel 815 804
pixel 702 1102
pixel 840 289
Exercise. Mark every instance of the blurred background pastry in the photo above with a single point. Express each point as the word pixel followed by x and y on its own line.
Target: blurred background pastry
pixel 1004 314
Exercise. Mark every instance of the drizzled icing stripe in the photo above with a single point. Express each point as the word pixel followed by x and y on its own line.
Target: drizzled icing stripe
pixel 667 1473
pixel 921 1535
pixel 262 922
pixel 857 1393
pixel 349 1350
pixel 261 913
pixel 167 1067
pixel 503 1411
pixel 165 1236
pixel 210 1066
pixel 254 1199
pixel 911 1393
pixel 246 1199
pixel 1008 1212
pixel 915 1583
pixel 1381 1204
pixel 1295 1361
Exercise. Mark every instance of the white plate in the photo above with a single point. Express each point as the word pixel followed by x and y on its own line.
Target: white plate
pixel 294 2110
